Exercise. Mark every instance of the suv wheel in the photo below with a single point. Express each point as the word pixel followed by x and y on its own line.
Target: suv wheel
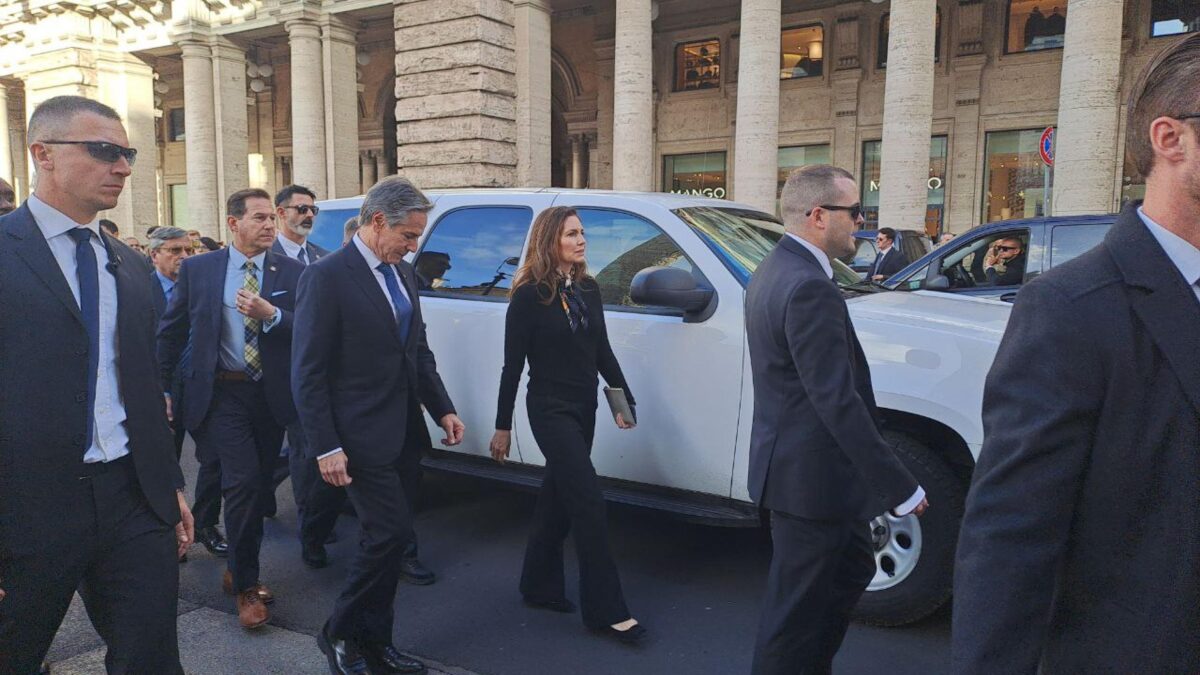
pixel 914 557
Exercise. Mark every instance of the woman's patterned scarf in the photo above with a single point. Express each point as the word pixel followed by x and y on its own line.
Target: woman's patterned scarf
pixel 573 304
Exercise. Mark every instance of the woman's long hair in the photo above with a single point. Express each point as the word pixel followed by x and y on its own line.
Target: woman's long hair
pixel 541 264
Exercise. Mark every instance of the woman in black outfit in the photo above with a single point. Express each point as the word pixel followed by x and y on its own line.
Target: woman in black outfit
pixel 556 321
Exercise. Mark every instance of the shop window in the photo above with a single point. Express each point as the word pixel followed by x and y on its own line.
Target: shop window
pixel 885 25
pixel 701 174
pixel 1016 183
pixel 793 158
pixel 179 206
pixel 698 65
pixel 1173 17
pixel 935 202
pixel 802 52
pixel 176 127
pixel 1034 25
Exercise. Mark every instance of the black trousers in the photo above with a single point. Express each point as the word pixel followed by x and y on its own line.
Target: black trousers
pixel 206 508
pixel 120 556
pixel 570 498
pixel 819 569
pixel 324 501
pixel 364 611
pixel 243 436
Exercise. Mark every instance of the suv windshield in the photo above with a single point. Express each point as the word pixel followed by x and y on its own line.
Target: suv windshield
pixel 742 238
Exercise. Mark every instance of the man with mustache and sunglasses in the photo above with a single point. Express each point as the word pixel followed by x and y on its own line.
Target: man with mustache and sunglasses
pixel 90 492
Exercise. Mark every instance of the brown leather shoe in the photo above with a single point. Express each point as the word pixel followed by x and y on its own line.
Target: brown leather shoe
pixel 252 613
pixel 263 592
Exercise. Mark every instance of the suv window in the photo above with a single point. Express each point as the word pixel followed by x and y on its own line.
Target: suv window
pixel 619 245
pixel 1069 241
pixel 864 255
pixel 473 251
pixel 914 246
pixel 967 267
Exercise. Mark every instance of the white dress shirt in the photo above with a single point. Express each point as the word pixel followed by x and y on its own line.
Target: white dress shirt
pixel 292 249
pixel 1181 252
pixel 823 259
pixel 373 262
pixel 110 440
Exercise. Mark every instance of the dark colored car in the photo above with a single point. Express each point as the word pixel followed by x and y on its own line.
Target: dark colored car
pixel 958 266
pixel 913 244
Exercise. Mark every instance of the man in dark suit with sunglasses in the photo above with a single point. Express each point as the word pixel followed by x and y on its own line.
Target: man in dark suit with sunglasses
pixel 90 489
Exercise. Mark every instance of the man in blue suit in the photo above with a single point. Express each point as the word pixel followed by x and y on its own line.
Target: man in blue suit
pixel 233 310
pixel 361 373
pixel 169 247
pixel 296 209
pixel 90 491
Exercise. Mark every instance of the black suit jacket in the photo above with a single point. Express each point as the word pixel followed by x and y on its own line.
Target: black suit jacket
pixel 893 262
pixel 815 450
pixel 315 252
pixel 355 382
pixel 1080 547
pixel 43 368
pixel 192 325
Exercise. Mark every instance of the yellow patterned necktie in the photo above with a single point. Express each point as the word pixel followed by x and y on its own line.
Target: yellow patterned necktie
pixel 252 326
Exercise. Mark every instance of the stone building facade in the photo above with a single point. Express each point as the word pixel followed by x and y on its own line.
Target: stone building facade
pixel 718 97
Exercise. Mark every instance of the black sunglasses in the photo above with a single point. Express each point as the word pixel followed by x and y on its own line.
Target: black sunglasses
pixel 100 150
pixel 856 210
pixel 1188 116
pixel 305 209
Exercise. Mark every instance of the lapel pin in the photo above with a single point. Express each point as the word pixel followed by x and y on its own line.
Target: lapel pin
pixel 272 268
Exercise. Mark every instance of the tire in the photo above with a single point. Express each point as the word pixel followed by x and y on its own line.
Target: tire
pixel 915 557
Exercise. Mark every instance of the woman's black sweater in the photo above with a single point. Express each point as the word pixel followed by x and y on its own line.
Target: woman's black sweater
pixel 562 364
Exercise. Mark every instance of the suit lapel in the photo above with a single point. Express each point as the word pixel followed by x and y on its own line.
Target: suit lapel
pixel 1160 297
pixel 412 301
pixel 217 279
pixel 31 246
pixel 270 271
pixel 365 278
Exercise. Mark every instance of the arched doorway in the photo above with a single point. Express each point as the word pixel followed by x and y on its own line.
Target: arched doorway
pixel 565 92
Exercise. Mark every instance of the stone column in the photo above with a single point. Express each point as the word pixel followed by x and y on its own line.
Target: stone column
pixel 381 166
pixel 907 115
pixel 200 142
pixel 846 78
pixel 633 98
pixel 308 107
pixel 576 161
pixel 600 153
pixel 962 211
pixel 266 139
pixel 126 84
pixel 229 85
pixel 532 24
pixel 756 135
pixel 366 167
pixel 1085 160
pixel 339 51
pixel 6 163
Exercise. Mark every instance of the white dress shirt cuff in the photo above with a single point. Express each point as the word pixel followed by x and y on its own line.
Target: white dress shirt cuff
pixel 273 321
pixel 908 506
pixel 329 454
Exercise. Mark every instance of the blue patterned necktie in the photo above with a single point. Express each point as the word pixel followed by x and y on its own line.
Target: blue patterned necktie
pixel 89 307
pixel 303 256
pixel 401 303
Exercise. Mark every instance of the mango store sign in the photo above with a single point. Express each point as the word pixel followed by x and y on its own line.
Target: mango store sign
pixel 714 193
pixel 935 183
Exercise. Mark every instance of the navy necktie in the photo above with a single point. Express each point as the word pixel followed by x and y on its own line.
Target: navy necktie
pixel 401 303
pixel 89 307
pixel 303 256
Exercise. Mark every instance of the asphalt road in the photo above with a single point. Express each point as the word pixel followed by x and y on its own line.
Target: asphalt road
pixel 696 588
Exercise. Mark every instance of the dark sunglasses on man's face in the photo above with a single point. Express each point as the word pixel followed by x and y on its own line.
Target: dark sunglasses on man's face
pixel 305 209
pixel 1008 248
pixel 855 210
pixel 103 151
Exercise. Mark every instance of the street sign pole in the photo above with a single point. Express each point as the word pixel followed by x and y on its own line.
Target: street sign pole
pixel 1046 152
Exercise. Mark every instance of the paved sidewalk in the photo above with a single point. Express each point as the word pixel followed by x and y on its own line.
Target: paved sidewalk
pixel 210 643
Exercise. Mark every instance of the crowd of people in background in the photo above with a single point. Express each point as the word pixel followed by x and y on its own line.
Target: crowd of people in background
pixel 1078 548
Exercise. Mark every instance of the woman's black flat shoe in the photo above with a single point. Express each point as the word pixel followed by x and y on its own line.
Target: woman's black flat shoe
pixel 563 606
pixel 634 635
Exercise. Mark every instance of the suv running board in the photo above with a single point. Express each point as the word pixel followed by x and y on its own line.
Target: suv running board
pixel 690 506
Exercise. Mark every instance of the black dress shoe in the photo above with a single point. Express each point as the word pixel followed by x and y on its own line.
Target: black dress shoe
pixel 272 509
pixel 412 571
pixel 387 659
pixel 314 556
pixel 562 606
pixel 631 636
pixel 214 541
pixel 343 658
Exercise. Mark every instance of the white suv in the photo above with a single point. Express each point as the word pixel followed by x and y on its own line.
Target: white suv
pixel 673 271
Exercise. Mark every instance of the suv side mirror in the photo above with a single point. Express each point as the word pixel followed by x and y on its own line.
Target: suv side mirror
pixel 936 282
pixel 670 287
